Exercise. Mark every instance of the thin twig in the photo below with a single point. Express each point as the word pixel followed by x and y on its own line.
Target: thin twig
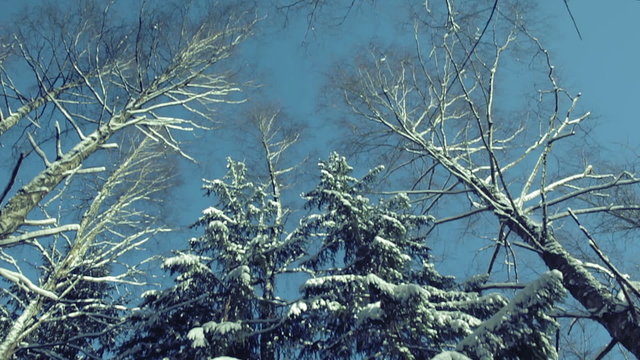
pixel 606 350
pixel 573 20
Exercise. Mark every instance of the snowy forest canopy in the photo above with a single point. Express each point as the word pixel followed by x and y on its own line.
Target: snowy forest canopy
pixel 106 107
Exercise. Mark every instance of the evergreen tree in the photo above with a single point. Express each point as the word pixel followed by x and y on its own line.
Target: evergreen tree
pixel 520 330
pixel 223 279
pixel 224 301
pixel 372 290
pixel 374 293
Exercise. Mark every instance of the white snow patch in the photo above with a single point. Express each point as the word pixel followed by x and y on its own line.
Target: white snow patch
pixel 406 292
pixel 297 309
pixel 450 355
pixel 222 328
pixel 149 293
pixel 395 223
pixel 217 226
pixel 331 305
pixel 181 259
pixel 320 281
pixel 241 273
pixel 370 312
pixel 382 285
pixel 217 213
pixel 196 335
pixel 384 243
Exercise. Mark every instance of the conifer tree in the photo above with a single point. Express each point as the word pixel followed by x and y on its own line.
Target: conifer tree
pixel 373 291
pixel 224 299
pixel 214 307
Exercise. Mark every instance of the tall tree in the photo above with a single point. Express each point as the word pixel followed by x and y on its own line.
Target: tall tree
pixel 76 301
pixel 78 81
pixel 442 107
pixel 224 300
pixel 374 292
pixel 100 76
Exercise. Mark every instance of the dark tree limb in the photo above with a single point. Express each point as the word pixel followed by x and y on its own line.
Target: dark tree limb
pixel 12 179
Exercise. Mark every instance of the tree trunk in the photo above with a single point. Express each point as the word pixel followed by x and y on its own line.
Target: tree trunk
pixel 604 308
pixel 267 312
pixel 13 214
pixel 17 331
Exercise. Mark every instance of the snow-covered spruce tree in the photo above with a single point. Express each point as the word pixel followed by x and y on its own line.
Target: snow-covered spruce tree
pixel 225 278
pixel 224 301
pixel 374 293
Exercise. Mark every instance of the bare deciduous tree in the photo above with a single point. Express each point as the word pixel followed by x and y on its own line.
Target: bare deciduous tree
pixel 93 76
pixel 76 84
pixel 444 106
pixel 79 272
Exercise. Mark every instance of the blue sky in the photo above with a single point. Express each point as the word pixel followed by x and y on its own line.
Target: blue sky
pixel 603 65
pixel 292 66
pixel 292 63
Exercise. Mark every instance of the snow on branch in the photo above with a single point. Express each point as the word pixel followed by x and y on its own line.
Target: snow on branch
pixel 15 240
pixel 525 198
pixel 508 327
pixel 114 279
pixel 80 170
pixel 26 284
pixel 40 222
pixel 450 355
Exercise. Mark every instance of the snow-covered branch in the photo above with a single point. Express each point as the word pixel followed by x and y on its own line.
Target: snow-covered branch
pixel 23 282
pixel 15 240
pixel 503 330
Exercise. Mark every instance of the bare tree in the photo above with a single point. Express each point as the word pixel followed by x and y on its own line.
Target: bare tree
pixel 79 274
pixel 76 84
pixel 320 14
pixel 443 106
pixel 93 77
pixel 275 139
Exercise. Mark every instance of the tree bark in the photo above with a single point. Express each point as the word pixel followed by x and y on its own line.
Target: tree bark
pixel 13 214
pixel 17 330
pixel 604 307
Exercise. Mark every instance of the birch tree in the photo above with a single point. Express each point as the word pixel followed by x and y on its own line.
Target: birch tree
pixel 440 107
pixel 91 76
pixel 75 300
pixel 77 83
